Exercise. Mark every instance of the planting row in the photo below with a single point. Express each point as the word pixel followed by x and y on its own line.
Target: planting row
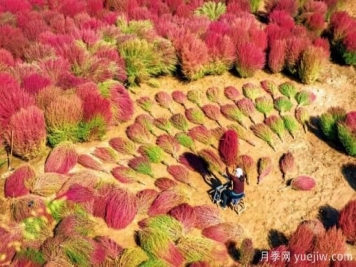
pixel 73 42
pixel 61 228
pixel 85 112
pixel 67 216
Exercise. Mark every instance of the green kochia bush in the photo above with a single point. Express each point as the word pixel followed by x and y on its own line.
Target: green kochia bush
pixel 329 120
pixel 339 126
pixel 347 138
pixel 145 53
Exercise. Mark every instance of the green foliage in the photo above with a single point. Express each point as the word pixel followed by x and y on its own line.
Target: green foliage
pixel 153 241
pixel 255 4
pixel 211 9
pixel 132 257
pixel 283 104
pixel 242 133
pixel 233 113
pixel 264 105
pixel 165 224
pixel 34 227
pixel 196 248
pixel 154 153
pixel 32 255
pixel 95 129
pixel 140 59
pixel 347 138
pixel 154 262
pixel 288 89
pixel 263 132
pixel 56 136
pixel 140 28
pixel 304 98
pixel 78 251
pixel 291 124
pixel 179 122
pixel 57 208
pixel 145 59
pixel 276 124
pixel 311 64
pixel 329 120
pixel 252 91
pixel 349 57
pixel 195 116
pixel 196 97
pixel 185 140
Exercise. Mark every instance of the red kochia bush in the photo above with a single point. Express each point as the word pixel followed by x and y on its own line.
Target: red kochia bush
pixel 347 221
pixel 26 133
pixel 62 158
pixel 89 162
pixel 249 59
pixel 121 209
pixel 165 201
pixel 16 184
pixel 12 99
pixel 179 173
pixel 94 105
pixel 185 214
pixel 277 55
pixel 223 232
pixel 302 240
pixel 229 147
pixel 206 216
pixel 165 183
pixel 35 82
pixel 78 193
pixel 332 242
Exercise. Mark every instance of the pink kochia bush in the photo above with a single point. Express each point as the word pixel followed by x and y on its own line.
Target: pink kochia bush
pixel 303 183
pixel 144 199
pixel 121 208
pixel 62 158
pixel 17 184
pixel 185 214
pixel 249 59
pixel 223 232
pixel 122 104
pixel 165 201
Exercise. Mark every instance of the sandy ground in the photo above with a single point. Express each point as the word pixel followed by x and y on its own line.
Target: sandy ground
pixel 269 211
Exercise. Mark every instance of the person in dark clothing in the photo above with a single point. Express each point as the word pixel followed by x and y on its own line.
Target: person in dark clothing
pixel 237 179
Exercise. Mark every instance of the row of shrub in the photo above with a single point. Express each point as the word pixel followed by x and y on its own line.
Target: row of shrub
pixel 53 220
pixel 312 238
pixel 200 37
pixel 339 126
pixel 343 35
pixel 31 118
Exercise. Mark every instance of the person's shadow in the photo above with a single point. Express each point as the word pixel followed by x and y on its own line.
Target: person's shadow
pixel 197 164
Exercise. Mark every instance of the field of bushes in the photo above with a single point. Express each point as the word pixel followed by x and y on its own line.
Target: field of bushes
pixel 86 151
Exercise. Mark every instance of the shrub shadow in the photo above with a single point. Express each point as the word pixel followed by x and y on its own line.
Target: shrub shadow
pixel 313 127
pixel 233 250
pixel 276 238
pixel 328 215
pixel 349 172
